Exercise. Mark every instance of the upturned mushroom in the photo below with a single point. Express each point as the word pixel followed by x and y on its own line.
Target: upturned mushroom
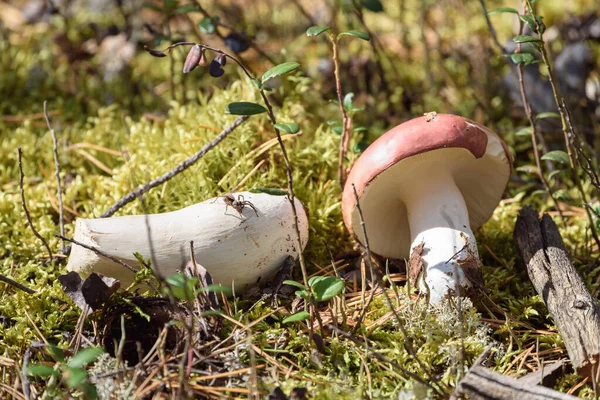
pixel 423 187
pixel 237 248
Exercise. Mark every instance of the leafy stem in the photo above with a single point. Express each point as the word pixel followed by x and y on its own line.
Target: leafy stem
pixel 567 128
pixel 290 182
pixel 346 120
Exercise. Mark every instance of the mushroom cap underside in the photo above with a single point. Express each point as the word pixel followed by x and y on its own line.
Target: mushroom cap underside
pixel 475 158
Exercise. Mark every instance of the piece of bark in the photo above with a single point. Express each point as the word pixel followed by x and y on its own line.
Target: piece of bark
pixel 575 312
pixel 545 376
pixel 481 383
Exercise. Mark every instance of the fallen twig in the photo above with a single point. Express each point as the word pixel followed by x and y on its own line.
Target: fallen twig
pixel 481 383
pixel 16 284
pixel 129 197
pixel 99 252
pixel 36 233
pixel 575 311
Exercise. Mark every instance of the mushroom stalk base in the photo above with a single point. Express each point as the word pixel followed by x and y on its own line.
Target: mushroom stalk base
pixel 439 220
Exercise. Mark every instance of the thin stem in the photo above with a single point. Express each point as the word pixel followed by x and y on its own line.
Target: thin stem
pixel 219 34
pixel 99 252
pixel 491 27
pixel 131 196
pixel 532 124
pixel 61 221
pixel 290 184
pixel 271 114
pixel 568 131
pixel 35 232
pixel 16 284
pixel 344 139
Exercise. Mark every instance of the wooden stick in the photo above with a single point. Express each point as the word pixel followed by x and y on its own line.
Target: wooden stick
pixel 576 313
pixel 481 383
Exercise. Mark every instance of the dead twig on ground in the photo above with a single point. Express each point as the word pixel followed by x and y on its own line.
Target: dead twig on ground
pixel 99 252
pixel 129 197
pixel 481 383
pixel 35 232
pixel 16 284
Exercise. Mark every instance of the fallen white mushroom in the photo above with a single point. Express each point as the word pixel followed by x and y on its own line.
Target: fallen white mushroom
pixel 235 249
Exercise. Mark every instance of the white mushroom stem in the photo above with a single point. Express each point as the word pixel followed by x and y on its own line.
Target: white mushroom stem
pixel 235 249
pixel 439 218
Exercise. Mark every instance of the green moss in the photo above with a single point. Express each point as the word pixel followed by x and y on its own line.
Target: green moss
pixel 111 114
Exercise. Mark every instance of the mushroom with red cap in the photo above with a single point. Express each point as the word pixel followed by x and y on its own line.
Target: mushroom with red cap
pixel 423 187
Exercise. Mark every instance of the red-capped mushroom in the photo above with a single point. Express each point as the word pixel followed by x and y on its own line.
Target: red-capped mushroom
pixel 423 186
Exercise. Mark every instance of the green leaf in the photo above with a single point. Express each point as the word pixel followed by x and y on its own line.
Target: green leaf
pixel 185 9
pixel 259 84
pixel 244 108
pixel 290 127
pixel 314 31
pixel 503 10
pixel 279 70
pixel 207 26
pixel 359 34
pixel 524 132
pixel 337 130
pixel 299 316
pixel 546 115
pixel 217 288
pixel 554 173
pixel 85 356
pixel 271 191
pixel 56 353
pixel 170 4
pixel 211 313
pixel 140 259
pixel 41 370
pixel 541 23
pixel 518 58
pixel 361 146
pixel 303 294
pixel 558 156
pixel 152 7
pixel 294 283
pixel 348 101
pixel 372 5
pixel 76 376
pixel 181 286
pixel 526 39
pixel 325 288
pixel 528 19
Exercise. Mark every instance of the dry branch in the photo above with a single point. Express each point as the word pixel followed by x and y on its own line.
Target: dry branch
pixel 128 198
pixel 576 313
pixel 24 203
pixel 481 383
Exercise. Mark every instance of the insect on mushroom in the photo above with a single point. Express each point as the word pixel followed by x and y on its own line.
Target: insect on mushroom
pixel 238 205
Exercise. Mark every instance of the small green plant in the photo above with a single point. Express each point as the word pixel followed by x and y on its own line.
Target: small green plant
pixel 68 372
pixel 574 158
pixel 187 288
pixel 347 107
pixel 320 289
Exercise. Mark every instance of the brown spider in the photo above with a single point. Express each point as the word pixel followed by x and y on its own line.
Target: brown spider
pixel 238 205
